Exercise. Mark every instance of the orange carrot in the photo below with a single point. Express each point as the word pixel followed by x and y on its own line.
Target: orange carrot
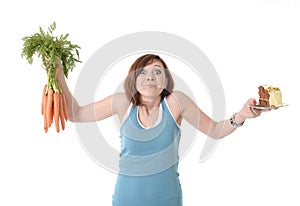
pixel 44 108
pixel 56 110
pixel 54 107
pixel 49 107
pixel 64 106
pixel 44 96
pixel 45 115
pixel 61 112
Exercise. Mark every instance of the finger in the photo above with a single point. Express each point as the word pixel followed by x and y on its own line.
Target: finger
pixel 43 66
pixel 252 110
pixel 255 112
pixel 251 102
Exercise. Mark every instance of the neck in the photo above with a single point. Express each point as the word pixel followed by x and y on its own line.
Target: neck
pixel 150 103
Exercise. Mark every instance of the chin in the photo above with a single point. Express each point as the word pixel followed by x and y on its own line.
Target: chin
pixel 151 92
pixel 147 95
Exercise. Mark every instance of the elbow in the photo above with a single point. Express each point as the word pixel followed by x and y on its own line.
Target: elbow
pixel 216 130
pixel 215 135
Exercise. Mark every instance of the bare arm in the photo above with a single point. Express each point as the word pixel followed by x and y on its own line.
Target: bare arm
pixel 196 117
pixel 114 104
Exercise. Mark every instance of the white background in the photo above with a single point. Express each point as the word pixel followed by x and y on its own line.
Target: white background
pixel 248 42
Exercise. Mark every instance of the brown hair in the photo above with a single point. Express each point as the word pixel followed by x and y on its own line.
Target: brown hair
pixel 130 81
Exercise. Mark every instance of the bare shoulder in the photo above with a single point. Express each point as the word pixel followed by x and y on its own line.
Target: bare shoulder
pixel 173 101
pixel 121 97
pixel 120 103
pixel 120 100
pixel 177 94
pixel 180 99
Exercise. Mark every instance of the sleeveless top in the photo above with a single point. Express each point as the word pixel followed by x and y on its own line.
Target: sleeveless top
pixel 149 161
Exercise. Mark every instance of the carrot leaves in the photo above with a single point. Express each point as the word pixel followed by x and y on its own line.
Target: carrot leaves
pixel 51 49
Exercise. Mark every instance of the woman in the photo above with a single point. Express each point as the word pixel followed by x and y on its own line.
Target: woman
pixel 151 114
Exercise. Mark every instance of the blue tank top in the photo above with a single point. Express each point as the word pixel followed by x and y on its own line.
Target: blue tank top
pixel 148 162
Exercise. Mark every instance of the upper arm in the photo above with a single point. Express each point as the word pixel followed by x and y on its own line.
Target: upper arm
pixel 192 113
pixel 113 104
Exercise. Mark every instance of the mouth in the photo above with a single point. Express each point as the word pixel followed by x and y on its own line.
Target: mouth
pixel 150 86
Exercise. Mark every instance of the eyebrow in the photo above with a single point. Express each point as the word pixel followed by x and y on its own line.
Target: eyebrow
pixel 155 65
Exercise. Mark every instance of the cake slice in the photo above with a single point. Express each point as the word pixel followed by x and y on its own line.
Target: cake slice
pixel 269 96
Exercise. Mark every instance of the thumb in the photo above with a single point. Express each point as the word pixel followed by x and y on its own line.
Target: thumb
pixel 252 101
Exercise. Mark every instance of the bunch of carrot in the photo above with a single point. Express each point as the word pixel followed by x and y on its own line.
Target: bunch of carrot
pixel 53 107
pixel 52 49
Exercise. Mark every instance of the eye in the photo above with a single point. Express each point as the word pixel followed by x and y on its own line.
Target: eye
pixel 157 71
pixel 142 71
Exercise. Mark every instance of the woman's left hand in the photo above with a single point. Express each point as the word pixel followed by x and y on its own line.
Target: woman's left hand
pixel 248 111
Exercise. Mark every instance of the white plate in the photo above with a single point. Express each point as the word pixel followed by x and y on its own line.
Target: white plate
pixel 267 108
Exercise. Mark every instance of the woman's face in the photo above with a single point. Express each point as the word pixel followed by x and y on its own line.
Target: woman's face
pixel 151 80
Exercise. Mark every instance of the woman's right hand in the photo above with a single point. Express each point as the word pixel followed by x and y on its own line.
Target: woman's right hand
pixel 43 66
pixel 58 67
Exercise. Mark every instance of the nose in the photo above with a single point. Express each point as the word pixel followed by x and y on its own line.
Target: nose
pixel 150 77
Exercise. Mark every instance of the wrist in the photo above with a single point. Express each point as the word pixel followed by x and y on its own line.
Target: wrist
pixel 236 120
pixel 59 73
pixel 239 118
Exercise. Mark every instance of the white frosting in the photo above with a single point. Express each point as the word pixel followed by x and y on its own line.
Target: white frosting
pixel 275 98
pixel 275 95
